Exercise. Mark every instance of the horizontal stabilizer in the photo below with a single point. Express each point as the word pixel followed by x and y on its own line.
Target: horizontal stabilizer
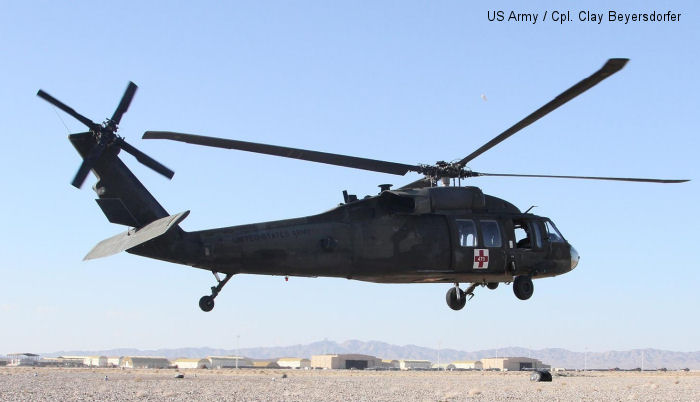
pixel 134 237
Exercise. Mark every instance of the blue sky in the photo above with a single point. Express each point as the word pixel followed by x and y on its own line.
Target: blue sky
pixel 400 81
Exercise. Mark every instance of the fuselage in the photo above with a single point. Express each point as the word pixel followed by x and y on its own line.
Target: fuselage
pixel 439 234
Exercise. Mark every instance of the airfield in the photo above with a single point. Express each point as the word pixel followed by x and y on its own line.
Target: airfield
pixel 25 383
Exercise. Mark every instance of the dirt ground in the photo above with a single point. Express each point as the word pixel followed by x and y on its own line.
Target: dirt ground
pixel 23 384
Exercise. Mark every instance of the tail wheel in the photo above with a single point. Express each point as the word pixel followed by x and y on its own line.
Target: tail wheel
pixel 206 303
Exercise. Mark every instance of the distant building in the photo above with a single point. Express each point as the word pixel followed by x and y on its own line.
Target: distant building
pixel 265 364
pixel 512 364
pixel 348 361
pixel 219 362
pixel 23 359
pixel 469 365
pixel 443 366
pixel 389 364
pixel 294 362
pixel 147 362
pixel 415 364
pixel 184 363
pixel 114 361
pixel 70 361
pixel 61 362
pixel 89 361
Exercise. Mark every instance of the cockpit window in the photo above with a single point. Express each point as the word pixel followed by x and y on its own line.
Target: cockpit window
pixel 537 233
pixel 491 234
pixel 552 232
pixel 466 229
pixel 527 233
pixel 522 234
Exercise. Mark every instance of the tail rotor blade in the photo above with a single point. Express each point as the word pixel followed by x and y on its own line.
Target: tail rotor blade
pixel 87 165
pixel 89 123
pixel 145 159
pixel 82 173
pixel 125 102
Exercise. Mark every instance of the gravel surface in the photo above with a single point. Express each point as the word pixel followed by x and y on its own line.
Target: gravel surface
pixel 25 384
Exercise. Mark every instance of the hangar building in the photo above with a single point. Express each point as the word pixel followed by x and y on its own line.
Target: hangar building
pixel 350 361
pixel 294 362
pixel 469 365
pixel 145 362
pixel 443 366
pixel 389 364
pixel 218 362
pixel 415 364
pixel 185 363
pixel 114 361
pixel 266 364
pixel 89 361
pixel 512 363
pixel 23 359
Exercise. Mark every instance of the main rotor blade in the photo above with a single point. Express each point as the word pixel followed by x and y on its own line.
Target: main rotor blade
pixel 145 159
pixel 611 67
pixel 125 102
pixel 89 123
pixel 286 152
pixel 420 183
pixel 667 181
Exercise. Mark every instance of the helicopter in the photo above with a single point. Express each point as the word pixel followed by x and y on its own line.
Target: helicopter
pixel 418 233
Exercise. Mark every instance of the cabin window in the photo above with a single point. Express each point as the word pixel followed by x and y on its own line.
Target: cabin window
pixel 466 229
pixel 552 233
pixel 491 234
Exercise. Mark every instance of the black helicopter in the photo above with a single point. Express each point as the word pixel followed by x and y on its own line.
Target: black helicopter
pixel 419 233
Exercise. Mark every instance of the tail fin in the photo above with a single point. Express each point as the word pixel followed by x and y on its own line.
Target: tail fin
pixel 124 200
pixel 122 197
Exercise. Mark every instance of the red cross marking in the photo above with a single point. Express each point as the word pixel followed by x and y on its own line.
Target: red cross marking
pixel 481 259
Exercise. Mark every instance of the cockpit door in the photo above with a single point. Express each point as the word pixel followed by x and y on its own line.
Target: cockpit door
pixel 527 246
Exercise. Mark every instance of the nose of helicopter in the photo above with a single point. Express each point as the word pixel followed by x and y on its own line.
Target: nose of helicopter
pixel 574 257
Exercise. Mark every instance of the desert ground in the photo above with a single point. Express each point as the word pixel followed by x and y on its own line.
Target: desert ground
pixel 25 384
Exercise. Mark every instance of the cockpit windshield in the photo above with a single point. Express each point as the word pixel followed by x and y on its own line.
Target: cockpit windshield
pixel 552 232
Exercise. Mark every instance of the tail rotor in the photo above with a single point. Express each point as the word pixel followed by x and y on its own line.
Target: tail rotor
pixel 106 137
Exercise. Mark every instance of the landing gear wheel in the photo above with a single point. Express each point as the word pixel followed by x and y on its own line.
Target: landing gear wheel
pixel 206 303
pixel 492 285
pixel 456 298
pixel 523 287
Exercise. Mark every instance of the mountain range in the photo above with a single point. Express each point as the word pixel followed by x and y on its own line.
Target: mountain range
pixel 556 357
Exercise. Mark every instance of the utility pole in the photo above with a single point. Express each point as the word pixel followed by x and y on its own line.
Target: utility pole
pixel 238 338
pixel 439 346
pixel 585 360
